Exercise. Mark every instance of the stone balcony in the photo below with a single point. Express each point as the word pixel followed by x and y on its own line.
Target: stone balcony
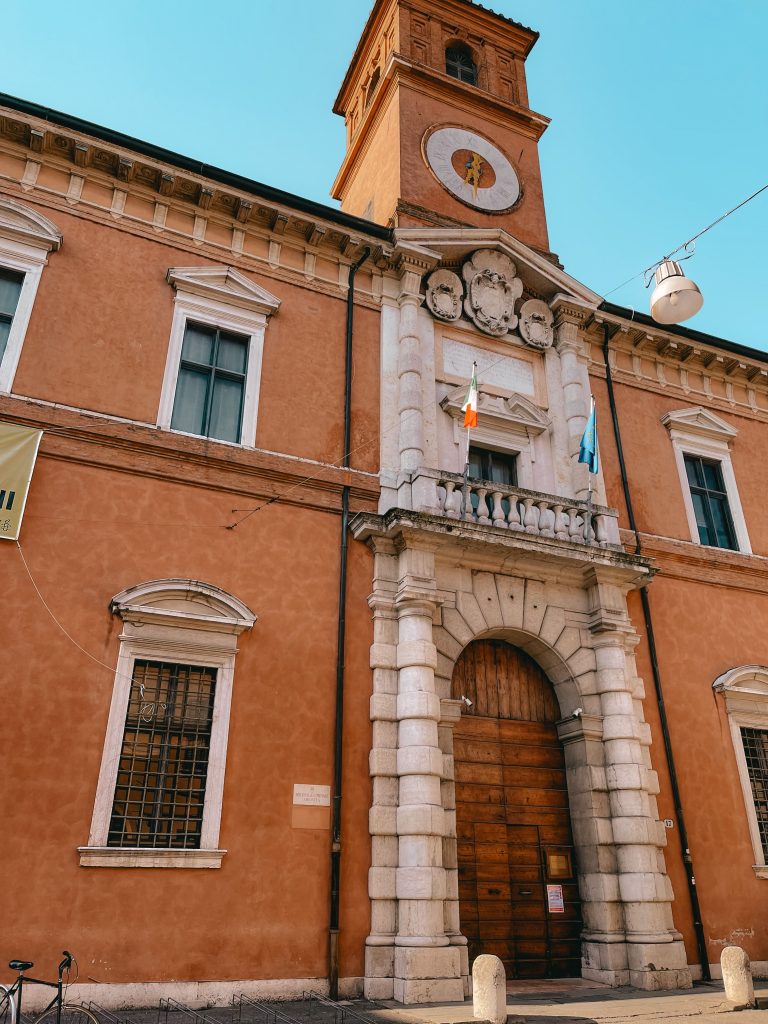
pixel 515 509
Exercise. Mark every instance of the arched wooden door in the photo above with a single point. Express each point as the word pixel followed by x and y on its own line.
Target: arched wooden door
pixel 517 884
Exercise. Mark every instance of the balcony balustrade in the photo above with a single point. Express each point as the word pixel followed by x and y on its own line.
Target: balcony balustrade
pixel 524 511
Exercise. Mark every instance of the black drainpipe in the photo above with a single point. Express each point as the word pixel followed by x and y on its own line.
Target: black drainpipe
pixel 656 672
pixel 333 948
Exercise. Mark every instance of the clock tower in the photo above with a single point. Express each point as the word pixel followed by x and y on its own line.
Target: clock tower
pixel 439 131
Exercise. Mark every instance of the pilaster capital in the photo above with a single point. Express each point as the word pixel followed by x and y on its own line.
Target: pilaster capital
pixel 414 600
pixel 412 262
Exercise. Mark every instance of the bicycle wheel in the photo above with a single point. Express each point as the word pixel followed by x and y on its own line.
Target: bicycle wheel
pixel 70 1014
pixel 7 1007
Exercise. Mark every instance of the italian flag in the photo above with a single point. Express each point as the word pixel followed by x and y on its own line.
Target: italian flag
pixel 470 406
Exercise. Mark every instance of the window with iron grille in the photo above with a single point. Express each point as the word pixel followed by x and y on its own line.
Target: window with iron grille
pixel 710 502
pixel 210 387
pixel 459 64
pixel 756 754
pixel 163 768
pixel 10 290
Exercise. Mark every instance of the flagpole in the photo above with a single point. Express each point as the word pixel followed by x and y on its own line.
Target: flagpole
pixel 470 410
pixel 465 485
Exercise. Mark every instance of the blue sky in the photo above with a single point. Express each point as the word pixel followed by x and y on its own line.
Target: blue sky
pixel 659 112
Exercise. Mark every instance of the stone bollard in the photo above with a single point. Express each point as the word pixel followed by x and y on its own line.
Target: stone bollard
pixel 489 989
pixel 737 977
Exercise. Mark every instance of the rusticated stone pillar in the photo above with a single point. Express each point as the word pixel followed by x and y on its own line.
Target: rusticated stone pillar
pixel 427 966
pixel 451 714
pixel 380 944
pixel 655 954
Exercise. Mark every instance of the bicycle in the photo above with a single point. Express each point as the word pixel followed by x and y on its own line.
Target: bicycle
pixel 57 1011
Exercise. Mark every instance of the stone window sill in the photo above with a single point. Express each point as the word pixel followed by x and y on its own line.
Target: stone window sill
pixel 115 857
pixel 761 870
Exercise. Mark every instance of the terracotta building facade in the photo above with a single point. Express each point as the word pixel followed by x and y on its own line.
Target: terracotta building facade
pixel 401 694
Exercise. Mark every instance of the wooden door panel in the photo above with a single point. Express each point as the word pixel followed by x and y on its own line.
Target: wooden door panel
pixel 533 778
pixel 531 756
pixel 513 795
pixel 511 803
pixel 482 773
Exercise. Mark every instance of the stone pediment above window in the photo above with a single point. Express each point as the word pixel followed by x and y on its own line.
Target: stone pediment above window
pixel 26 225
pixel 700 422
pixel 224 285
pixel 183 603
pixel 515 413
pixel 744 686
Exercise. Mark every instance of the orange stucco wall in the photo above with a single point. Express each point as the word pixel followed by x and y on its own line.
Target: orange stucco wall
pixel 113 505
pixel 88 533
pixel 99 331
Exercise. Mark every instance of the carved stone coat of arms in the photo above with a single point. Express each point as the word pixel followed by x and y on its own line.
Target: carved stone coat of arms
pixel 492 289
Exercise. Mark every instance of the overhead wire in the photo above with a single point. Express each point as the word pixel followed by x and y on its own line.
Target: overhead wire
pixel 685 245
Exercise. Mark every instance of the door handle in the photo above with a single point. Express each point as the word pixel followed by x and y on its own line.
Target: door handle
pixel 494 892
pixel 525 892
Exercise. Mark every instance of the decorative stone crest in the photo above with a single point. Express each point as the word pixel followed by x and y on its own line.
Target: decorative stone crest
pixel 536 321
pixel 444 294
pixel 492 288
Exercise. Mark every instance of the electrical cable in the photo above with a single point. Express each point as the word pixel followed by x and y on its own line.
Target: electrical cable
pixel 685 245
pixel 340 463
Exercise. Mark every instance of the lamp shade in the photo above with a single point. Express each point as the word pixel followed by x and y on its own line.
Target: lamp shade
pixel 675 298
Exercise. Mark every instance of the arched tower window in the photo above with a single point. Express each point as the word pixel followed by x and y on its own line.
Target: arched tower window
pixel 459 63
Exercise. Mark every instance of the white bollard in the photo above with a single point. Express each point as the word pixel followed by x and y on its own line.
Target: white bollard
pixel 737 977
pixel 489 989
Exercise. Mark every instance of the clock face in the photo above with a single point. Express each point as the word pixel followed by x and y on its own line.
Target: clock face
pixel 472 169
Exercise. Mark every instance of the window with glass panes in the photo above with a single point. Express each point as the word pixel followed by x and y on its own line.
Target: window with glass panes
pixel 10 290
pixel 496 467
pixel 459 64
pixel 163 765
pixel 756 754
pixel 211 384
pixel 710 502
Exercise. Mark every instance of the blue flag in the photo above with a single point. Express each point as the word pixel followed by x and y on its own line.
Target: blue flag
pixel 588 448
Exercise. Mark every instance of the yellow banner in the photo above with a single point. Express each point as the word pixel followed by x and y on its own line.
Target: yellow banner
pixel 18 451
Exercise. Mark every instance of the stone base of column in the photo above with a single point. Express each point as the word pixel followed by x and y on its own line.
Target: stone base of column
pixel 652 966
pixel 657 966
pixel 379 971
pixel 428 974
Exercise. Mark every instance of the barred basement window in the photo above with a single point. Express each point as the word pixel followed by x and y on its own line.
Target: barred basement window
pixel 756 754
pixel 161 785
pixel 163 768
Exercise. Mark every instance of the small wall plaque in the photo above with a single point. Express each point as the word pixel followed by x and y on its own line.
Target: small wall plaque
pixel 311 796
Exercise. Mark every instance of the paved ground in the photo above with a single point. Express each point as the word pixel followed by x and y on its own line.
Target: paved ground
pixel 572 1002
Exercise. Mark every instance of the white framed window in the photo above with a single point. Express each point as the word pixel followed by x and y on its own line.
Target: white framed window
pixel 702 446
pixel 745 690
pixel 26 238
pixel 508 426
pixel 213 368
pixel 159 794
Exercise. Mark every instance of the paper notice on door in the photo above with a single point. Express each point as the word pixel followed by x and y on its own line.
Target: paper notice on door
pixel 555 903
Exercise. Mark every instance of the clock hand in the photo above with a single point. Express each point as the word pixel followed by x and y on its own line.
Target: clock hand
pixel 474 170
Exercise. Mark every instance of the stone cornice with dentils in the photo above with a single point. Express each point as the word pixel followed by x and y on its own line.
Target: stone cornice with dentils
pixel 47 143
